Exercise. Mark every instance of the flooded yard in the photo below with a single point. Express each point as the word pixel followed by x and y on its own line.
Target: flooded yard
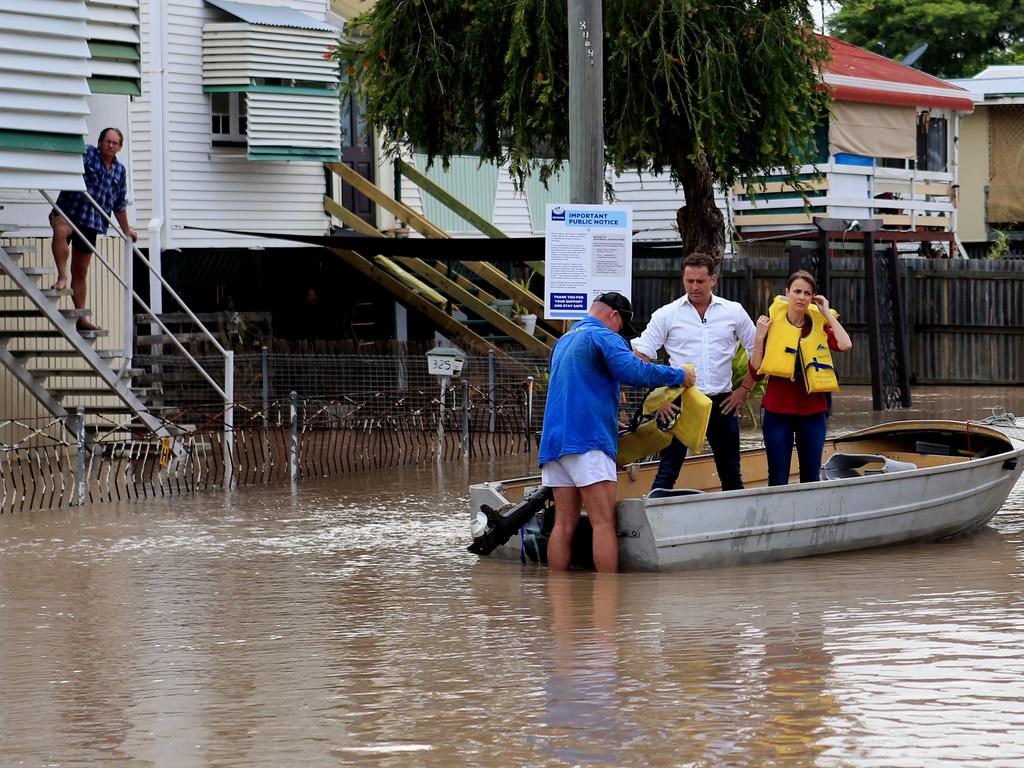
pixel 344 623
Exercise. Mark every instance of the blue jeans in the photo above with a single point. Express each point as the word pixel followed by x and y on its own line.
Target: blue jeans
pixel 781 430
pixel 724 437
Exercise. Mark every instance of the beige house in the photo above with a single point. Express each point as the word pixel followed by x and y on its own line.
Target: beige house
pixel 992 155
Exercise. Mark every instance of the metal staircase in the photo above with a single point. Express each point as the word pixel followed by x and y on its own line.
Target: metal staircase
pixel 92 376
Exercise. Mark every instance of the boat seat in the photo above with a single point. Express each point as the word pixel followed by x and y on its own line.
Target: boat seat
pixel 843 465
pixel 667 493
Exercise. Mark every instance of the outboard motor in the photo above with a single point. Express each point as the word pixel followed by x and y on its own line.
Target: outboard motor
pixel 493 528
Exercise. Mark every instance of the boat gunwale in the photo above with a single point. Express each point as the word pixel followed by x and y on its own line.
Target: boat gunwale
pixel 1014 446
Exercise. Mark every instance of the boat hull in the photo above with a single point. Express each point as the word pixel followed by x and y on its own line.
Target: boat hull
pixel 761 524
pixel 944 496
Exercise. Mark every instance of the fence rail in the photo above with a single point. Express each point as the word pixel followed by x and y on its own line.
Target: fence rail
pixel 292 439
pixel 964 316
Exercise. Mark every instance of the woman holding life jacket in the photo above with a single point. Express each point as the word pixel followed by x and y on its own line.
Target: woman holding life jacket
pixel 793 346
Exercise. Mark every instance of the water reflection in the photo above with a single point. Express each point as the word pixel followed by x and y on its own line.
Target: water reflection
pixel 344 624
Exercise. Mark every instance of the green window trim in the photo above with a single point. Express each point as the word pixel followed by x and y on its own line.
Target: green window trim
pixel 42 142
pixel 114 85
pixel 313 154
pixel 329 90
pixel 775 211
pixel 117 51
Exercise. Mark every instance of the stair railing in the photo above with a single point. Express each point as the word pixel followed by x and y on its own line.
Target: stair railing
pixel 227 391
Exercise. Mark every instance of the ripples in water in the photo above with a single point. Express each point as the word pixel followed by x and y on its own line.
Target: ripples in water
pixel 266 628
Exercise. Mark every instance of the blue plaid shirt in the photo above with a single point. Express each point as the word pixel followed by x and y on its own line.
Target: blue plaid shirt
pixel 108 188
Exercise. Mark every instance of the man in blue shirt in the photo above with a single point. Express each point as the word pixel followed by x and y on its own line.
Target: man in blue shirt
pixel 106 181
pixel 579 440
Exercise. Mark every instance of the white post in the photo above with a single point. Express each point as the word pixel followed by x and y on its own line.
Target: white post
pixel 157 149
pixel 129 303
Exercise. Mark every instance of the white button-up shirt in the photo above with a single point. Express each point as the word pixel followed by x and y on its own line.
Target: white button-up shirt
pixel 708 343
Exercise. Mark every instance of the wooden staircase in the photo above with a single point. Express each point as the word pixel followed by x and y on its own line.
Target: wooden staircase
pixel 463 299
pixel 72 372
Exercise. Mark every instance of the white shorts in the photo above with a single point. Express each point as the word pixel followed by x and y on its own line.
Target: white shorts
pixel 576 470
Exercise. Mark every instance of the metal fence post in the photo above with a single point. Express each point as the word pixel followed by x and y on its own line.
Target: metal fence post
pixel 529 412
pixel 293 454
pixel 266 387
pixel 80 464
pixel 440 418
pixel 490 389
pixel 229 418
pixel 465 418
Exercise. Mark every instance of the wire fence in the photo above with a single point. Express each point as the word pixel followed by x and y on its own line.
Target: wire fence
pixel 51 463
pixel 296 417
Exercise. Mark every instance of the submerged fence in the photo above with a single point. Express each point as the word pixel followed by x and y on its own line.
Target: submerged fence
pixel 53 463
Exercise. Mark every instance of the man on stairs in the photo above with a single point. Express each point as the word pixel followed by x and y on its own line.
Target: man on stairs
pixel 106 182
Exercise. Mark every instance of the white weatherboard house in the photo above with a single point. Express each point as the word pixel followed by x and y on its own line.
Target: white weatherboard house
pixel 229 111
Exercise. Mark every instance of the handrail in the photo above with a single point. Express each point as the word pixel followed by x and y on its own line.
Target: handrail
pixel 227 392
pixel 139 299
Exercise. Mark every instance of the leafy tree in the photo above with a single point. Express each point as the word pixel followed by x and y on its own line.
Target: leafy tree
pixel 962 35
pixel 707 91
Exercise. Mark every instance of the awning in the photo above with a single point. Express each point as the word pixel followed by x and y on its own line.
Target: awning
pixel 872 130
pixel 899 98
pixel 272 16
pixel 484 249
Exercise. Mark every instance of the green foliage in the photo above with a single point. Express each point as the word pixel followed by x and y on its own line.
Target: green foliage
pixel 740 365
pixel 963 36
pixel 1000 247
pixel 730 88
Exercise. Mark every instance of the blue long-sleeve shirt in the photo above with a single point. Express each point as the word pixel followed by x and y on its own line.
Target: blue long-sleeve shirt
pixel 587 365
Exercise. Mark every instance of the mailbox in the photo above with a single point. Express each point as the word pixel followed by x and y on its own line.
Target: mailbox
pixel 445 361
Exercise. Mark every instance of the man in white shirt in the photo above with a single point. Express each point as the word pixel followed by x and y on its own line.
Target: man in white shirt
pixel 701 329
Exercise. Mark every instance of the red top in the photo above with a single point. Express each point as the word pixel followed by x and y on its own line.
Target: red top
pixel 791 397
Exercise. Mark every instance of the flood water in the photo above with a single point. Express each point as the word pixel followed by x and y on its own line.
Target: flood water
pixel 345 624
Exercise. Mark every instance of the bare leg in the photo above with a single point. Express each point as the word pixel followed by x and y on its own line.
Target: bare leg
pixel 60 248
pixel 80 261
pixel 599 500
pixel 567 515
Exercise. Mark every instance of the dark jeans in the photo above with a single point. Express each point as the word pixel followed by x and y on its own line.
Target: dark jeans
pixel 724 436
pixel 781 430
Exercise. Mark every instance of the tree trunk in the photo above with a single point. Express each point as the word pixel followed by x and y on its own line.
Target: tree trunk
pixel 701 225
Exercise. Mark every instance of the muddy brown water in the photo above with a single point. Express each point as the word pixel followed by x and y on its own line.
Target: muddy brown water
pixel 344 624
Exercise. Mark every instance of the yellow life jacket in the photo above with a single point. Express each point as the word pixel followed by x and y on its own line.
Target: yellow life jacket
pixel 816 357
pixel 783 343
pixel 691 425
pixel 784 346
pixel 647 436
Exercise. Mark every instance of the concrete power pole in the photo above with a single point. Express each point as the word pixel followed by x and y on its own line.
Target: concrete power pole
pixel 586 96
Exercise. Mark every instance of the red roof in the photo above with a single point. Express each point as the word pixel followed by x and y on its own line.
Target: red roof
pixel 886 81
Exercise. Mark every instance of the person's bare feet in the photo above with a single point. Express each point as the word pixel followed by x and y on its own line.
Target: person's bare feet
pixel 60 284
pixel 85 325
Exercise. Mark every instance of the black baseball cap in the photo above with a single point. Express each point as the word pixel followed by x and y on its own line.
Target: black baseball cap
pixel 620 304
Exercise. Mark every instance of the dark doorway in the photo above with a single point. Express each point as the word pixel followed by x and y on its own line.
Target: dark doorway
pixel 357 154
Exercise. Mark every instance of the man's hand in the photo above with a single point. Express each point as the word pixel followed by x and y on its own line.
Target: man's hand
pixel 667 412
pixel 734 403
pixel 691 376
pixel 132 234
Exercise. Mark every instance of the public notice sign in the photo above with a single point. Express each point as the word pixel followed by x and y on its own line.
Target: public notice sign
pixel 588 251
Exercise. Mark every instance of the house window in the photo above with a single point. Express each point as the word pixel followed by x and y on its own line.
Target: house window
pixel 227 118
pixel 931 142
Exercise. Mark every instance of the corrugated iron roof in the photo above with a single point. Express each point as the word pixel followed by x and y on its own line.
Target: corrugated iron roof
pixel 272 15
pixel 854 74
pixel 999 81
